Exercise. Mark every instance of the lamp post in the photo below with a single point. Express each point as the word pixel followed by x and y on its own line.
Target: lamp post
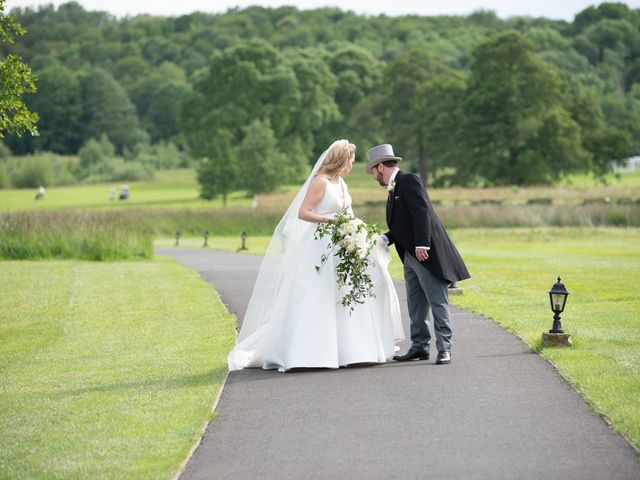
pixel 178 234
pixel 205 234
pixel 243 236
pixel 558 299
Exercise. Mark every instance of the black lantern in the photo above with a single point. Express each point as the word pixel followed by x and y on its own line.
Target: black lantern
pixel 558 298
pixel 205 234
pixel 178 237
pixel 243 236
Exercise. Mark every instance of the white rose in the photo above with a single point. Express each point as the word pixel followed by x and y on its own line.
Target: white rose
pixel 350 227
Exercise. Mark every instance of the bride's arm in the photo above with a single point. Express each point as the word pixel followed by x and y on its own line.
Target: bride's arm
pixel 311 200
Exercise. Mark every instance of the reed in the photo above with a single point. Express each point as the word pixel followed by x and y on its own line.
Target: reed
pixel 128 233
pixel 510 215
pixel 80 234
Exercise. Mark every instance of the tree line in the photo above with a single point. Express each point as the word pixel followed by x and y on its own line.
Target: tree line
pixel 254 95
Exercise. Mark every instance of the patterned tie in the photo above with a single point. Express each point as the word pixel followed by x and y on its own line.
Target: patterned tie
pixel 389 204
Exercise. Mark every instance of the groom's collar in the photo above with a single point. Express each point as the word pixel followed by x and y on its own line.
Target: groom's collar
pixel 392 178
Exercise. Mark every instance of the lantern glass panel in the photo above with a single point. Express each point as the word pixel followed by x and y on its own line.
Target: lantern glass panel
pixel 557 302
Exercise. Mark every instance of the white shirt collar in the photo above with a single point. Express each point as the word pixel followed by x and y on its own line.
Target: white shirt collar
pixel 392 180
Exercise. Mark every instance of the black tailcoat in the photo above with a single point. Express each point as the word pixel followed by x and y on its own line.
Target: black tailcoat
pixel 413 222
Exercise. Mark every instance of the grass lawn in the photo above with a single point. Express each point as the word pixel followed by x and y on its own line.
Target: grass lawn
pixel 170 188
pixel 107 370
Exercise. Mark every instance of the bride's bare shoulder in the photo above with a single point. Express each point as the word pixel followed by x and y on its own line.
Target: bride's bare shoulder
pixel 320 181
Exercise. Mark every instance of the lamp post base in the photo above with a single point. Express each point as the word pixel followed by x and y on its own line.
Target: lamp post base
pixel 556 339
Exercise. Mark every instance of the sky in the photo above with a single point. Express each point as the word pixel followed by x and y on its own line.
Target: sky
pixel 554 9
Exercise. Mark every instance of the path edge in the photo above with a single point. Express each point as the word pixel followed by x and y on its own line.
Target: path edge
pixel 214 406
pixel 588 403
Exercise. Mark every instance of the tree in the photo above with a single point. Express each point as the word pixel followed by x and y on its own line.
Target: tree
pixel 607 134
pixel 438 110
pixel 292 96
pixel 161 119
pixel 108 110
pixel 358 74
pixel 518 128
pixel 403 80
pixel 163 85
pixel 59 104
pixel 217 174
pixel 259 159
pixel 316 110
pixel 15 80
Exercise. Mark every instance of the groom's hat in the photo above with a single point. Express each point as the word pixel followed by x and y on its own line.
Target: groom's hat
pixel 379 154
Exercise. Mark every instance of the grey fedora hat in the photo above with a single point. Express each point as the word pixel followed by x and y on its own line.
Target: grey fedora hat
pixel 379 154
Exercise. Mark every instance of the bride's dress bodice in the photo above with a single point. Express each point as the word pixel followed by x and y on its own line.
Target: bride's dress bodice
pixel 332 202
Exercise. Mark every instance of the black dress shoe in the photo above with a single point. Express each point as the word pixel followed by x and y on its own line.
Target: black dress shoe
pixel 443 358
pixel 412 354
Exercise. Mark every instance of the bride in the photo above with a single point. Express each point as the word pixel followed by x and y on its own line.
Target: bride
pixel 295 318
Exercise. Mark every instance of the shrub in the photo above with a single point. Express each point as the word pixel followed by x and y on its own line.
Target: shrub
pixel 5 181
pixel 164 155
pixel 4 151
pixel 96 151
pixel 33 171
pixel 117 170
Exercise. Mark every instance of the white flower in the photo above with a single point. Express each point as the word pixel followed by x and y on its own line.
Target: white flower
pixel 350 227
pixel 391 186
pixel 351 243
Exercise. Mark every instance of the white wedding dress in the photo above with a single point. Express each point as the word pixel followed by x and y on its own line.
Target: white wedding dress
pixel 295 318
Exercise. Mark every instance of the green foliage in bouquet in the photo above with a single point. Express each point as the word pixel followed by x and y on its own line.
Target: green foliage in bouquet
pixel 352 241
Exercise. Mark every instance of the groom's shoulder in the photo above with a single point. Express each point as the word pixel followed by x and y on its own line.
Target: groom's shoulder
pixel 408 176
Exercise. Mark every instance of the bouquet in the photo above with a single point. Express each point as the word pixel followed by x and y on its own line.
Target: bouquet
pixel 351 241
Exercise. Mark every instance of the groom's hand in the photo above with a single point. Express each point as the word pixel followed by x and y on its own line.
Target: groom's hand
pixel 422 254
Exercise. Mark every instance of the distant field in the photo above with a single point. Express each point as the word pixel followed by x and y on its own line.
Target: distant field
pixel 170 188
pixel 179 189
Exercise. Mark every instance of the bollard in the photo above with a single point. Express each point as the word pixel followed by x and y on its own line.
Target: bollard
pixel 205 234
pixel 178 237
pixel 243 236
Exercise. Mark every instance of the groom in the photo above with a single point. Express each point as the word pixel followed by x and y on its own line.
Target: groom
pixel 431 260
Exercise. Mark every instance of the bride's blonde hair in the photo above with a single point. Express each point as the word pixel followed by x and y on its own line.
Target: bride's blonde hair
pixel 337 157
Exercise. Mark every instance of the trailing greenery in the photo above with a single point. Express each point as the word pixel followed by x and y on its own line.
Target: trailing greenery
pixel 107 370
pixel 474 100
pixel 511 272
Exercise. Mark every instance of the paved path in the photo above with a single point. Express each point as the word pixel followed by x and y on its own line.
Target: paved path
pixel 497 412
